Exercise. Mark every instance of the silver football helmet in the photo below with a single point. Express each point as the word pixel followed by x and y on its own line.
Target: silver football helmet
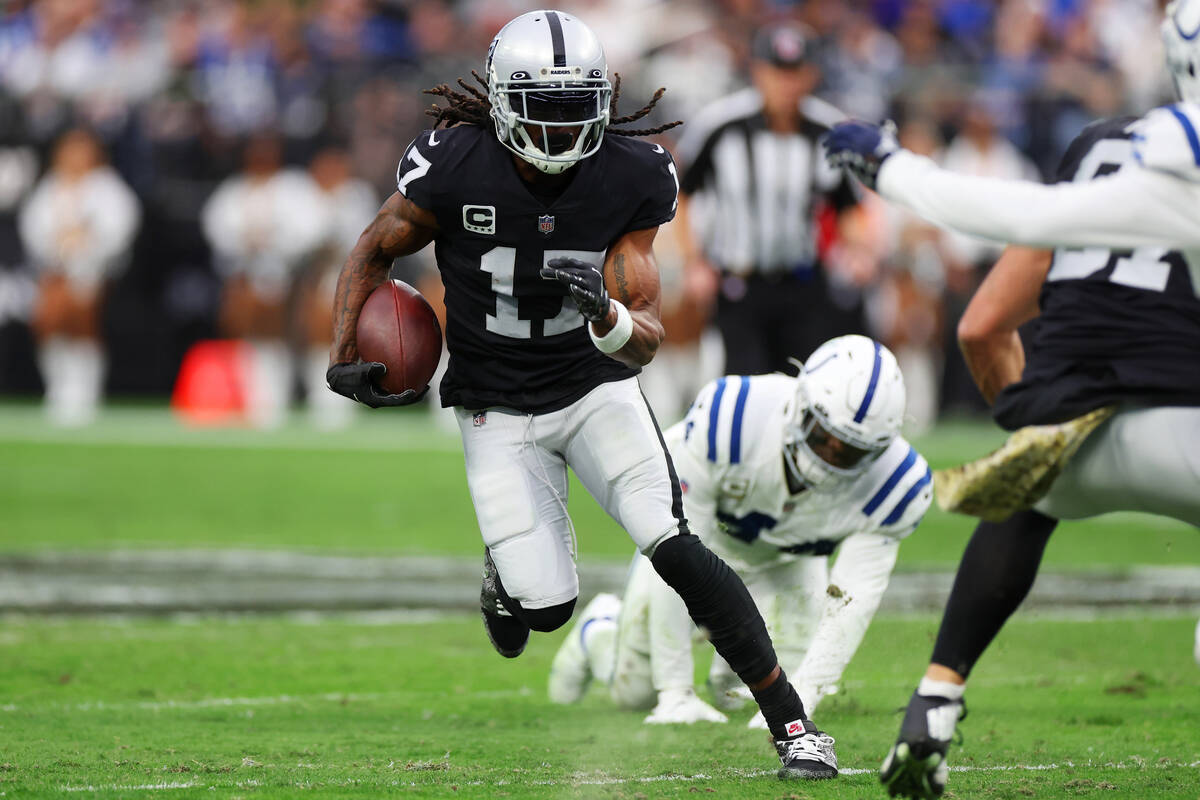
pixel 548 86
pixel 849 406
pixel 1181 40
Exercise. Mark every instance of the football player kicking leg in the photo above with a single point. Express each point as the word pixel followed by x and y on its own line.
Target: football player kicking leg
pixel 543 363
pixel 1140 459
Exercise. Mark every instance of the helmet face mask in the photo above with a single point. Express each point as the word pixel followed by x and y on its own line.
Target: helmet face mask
pixel 839 454
pixel 1181 43
pixel 549 89
pixel 848 409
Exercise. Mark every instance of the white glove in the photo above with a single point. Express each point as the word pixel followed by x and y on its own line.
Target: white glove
pixel 681 706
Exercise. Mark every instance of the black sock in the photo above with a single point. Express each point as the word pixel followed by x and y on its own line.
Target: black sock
pixel 994 576
pixel 719 604
pixel 780 705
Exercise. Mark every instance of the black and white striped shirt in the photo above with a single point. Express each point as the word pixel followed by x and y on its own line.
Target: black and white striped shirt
pixel 753 189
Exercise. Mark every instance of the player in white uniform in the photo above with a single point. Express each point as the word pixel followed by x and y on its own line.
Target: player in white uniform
pixel 752 455
pixel 1118 333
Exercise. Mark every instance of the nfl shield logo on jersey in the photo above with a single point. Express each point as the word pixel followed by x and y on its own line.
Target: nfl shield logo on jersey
pixel 546 224
pixel 480 419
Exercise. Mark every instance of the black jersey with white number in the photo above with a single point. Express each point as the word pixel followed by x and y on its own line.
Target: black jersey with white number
pixel 1115 325
pixel 516 339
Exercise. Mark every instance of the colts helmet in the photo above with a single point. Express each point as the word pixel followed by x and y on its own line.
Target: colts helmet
pixel 849 406
pixel 546 69
pixel 1181 39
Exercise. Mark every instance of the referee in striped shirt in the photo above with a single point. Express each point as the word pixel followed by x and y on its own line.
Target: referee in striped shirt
pixel 753 181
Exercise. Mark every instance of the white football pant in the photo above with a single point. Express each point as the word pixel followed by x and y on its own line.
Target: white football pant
pixel 517 474
pixel 1138 460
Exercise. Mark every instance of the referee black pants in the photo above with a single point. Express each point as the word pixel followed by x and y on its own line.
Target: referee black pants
pixel 764 321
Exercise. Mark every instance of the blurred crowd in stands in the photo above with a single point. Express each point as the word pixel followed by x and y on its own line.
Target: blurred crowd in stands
pixel 197 169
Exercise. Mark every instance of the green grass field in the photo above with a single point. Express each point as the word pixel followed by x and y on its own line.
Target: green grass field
pixel 274 707
pixel 420 706
pixel 392 485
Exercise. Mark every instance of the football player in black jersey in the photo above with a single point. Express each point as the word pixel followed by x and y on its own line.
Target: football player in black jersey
pixel 543 228
pixel 1110 366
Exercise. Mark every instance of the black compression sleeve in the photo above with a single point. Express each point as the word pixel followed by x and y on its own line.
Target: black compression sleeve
pixel 994 576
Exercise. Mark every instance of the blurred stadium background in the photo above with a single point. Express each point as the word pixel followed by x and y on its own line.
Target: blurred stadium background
pixel 184 95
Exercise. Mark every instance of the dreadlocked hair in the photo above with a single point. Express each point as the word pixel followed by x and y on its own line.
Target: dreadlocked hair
pixel 635 116
pixel 472 107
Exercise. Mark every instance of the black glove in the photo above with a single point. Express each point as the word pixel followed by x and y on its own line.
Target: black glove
pixel 584 282
pixel 357 381
pixel 861 148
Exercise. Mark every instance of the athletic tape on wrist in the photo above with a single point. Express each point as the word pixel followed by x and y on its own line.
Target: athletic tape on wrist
pixel 615 339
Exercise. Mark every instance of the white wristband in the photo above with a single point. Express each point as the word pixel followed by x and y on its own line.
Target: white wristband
pixel 615 339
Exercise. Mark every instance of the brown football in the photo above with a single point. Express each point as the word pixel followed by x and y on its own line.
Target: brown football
pixel 397 327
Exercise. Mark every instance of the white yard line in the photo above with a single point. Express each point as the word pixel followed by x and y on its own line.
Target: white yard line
pixel 238 702
pixel 141 787
pixel 615 781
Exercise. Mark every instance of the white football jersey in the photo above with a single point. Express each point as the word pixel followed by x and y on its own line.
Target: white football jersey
pixel 728 453
pixel 1166 140
pixel 1151 206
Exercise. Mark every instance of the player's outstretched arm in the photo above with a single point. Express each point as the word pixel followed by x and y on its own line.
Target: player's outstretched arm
pixel 1130 208
pixel 631 277
pixel 856 585
pixel 1006 300
pixel 400 228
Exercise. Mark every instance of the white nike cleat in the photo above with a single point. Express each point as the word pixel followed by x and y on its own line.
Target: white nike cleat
pixel 682 707
pixel 809 755
pixel 507 634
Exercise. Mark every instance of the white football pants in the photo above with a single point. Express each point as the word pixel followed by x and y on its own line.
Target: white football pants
pixel 517 473
pixel 1138 460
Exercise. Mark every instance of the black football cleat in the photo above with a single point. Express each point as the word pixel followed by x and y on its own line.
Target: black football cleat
pixel 916 765
pixel 808 755
pixel 506 633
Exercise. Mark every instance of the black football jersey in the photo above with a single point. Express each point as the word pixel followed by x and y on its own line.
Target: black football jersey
pixel 1116 326
pixel 517 340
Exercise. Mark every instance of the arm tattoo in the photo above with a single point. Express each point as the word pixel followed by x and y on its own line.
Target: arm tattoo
pixel 391 234
pixel 357 280
pixel 622 281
